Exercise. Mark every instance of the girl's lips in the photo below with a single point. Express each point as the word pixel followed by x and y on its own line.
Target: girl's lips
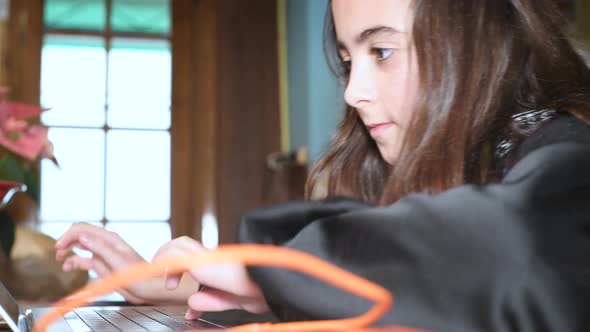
pixel 379 128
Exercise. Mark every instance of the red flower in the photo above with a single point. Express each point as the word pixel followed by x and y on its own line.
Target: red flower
pixel 19 135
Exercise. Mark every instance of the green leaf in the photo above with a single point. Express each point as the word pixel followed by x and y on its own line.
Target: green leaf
pixel 12 168
pixel 32 185
pixel 15 168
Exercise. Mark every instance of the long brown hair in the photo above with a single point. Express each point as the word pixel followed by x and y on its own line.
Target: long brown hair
pixel 479 63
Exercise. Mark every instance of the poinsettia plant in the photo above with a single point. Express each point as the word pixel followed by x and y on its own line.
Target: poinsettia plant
pixel 23 142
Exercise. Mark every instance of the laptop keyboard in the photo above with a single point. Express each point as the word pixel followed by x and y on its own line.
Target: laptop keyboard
pixel 127 319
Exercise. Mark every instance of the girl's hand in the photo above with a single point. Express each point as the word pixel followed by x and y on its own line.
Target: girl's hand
pixel 110 253
pixel 224 286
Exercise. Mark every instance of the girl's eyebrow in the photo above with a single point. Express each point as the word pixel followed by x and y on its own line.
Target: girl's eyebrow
pixel 367 33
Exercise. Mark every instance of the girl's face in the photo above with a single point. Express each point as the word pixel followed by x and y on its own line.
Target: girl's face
pixel 374 42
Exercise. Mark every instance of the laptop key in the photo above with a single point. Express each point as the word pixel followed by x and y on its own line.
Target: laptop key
pixel 76 323
pixel 149 323
pixel 177 315
pixel 119 321
pixel 94 321
pixel 167 320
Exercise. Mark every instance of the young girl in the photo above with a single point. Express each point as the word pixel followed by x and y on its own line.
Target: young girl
pixel 463 156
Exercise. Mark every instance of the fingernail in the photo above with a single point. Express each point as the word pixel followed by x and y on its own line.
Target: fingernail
pixel 190 315
pixel 170 284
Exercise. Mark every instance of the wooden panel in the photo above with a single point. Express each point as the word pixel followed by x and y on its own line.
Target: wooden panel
pixel 23 57
pixel 3 52
pixel 204 110
pixel 225 110
pixel 181 142
pixel 193 114
pixel 249 106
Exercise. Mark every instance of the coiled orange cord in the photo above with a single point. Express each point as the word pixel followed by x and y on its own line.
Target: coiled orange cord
pixel 247 254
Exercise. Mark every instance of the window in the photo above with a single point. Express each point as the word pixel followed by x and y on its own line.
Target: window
pixel 106 78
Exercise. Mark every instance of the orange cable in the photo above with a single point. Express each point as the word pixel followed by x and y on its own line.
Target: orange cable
pixel 247 254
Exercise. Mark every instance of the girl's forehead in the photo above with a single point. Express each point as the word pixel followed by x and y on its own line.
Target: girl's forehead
pixel 351 17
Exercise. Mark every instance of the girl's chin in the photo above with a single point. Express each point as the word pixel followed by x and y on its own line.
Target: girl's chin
pixel 389 156
pixel 390 147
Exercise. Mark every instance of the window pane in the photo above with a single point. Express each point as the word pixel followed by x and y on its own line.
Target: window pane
pixel 75 14
pixel 138 175
pixel 75 191
pixel 144 237
pixel 139 84
pixel 73 75
pixel 147 16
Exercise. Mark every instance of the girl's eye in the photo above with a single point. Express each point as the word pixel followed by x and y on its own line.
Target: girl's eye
pixel 382 53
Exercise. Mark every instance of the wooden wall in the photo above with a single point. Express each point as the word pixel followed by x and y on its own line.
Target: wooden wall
pixel 21 52
pixel 225 110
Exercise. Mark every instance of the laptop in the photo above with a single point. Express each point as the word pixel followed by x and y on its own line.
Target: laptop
pixel 104 318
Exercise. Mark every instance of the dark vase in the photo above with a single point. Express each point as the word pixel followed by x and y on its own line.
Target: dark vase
pixel 7 230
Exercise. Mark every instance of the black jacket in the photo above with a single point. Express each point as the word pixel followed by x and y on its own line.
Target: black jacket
pixel 511 256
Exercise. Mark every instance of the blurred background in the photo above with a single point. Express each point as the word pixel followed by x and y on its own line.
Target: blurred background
pixel 172 117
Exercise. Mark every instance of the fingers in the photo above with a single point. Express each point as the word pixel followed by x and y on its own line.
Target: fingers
pixel 110 253
pixel 210 299
pixel 85 263
pixel 172 281
pixel 102 271
pixel 72 236
pixel 178 247
pixel 100 267
pixel 62 254
pixel 114 259
pixel 183 245
pixel 77 263
pixel 106 245
pixel 229 277
pixel 110 256
pixel 192 314
pixel 232 278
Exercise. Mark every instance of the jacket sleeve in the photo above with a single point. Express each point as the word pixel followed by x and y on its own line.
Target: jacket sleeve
pixel 512 256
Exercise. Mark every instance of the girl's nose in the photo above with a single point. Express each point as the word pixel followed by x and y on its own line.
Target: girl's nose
pixel 360 90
